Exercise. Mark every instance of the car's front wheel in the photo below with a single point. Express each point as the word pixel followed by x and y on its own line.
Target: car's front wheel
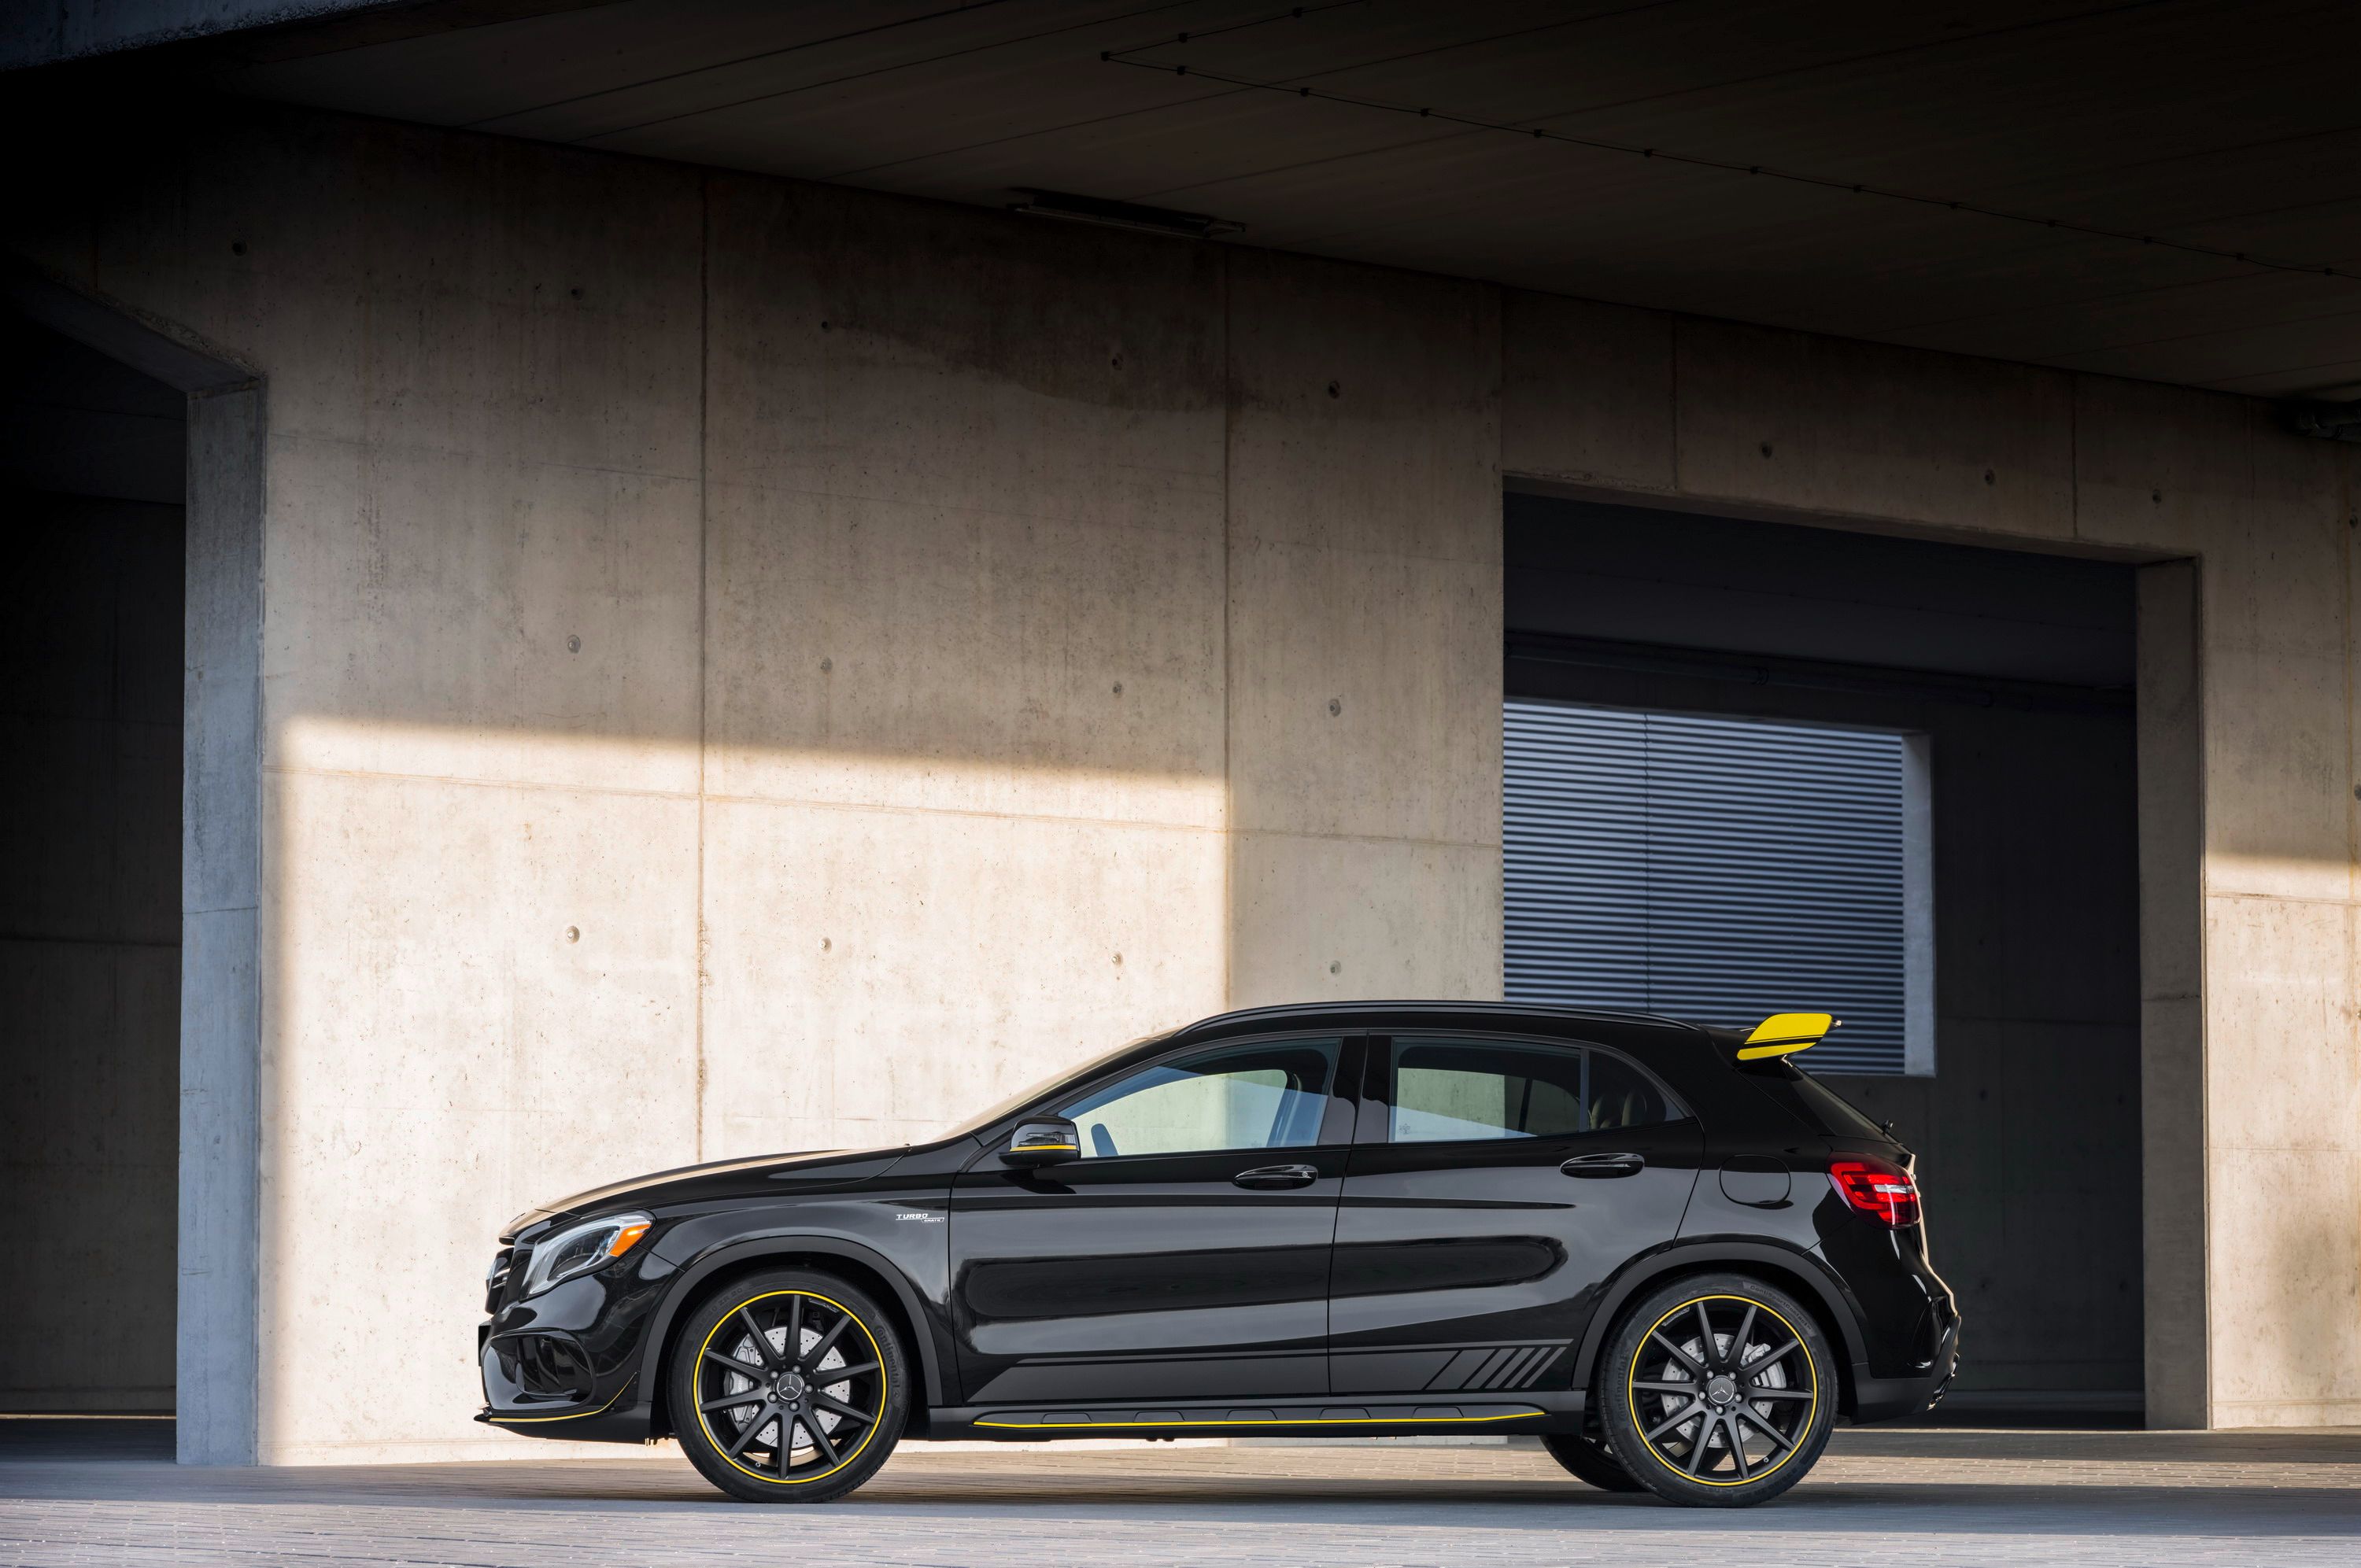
pixel 1718 1391
pixel 789 1387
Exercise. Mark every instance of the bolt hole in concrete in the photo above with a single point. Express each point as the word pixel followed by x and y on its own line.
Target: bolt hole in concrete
pixel 238 248
pixel 573 933
pixel 825 944
pixel 1118 960
pixel 1116 362
pixel 574 645
pixel 1766 449
pixel 1335 706
pixel 823 326
pixel 826 665
pixel 1335 390
pixel 1118 688
pixel 1335 967
pixel 1988 477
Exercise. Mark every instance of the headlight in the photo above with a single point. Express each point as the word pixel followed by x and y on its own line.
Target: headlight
pixel 582 1249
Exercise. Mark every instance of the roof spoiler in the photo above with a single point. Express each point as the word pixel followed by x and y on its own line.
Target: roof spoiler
pixel 1784 1034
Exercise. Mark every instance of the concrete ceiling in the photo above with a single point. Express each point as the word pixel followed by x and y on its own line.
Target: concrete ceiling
pixel 2217 126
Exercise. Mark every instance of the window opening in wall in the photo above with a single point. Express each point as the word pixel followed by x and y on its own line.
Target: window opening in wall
pixel 1721 870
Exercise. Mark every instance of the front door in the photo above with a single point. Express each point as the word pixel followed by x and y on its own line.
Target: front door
pixel 1496 1185
pixel 1184 1255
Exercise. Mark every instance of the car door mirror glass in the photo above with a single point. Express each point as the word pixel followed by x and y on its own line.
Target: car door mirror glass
pixel 1046 1141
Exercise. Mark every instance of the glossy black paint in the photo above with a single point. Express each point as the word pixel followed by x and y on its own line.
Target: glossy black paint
pixel 1351 1285
pixel 1476 1264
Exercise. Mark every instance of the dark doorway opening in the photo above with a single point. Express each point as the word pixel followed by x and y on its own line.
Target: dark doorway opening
pixel 92 459
pixel 2017 670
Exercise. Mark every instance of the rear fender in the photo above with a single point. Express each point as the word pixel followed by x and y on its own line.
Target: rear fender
pixel 1822 1291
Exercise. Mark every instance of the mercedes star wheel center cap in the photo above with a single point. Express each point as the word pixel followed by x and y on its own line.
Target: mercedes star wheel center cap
pixel 1721 1391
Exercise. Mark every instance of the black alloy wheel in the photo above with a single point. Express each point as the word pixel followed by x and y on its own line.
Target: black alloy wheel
pixel 789 1387
pixel 1587 1458
pixel 1718 1391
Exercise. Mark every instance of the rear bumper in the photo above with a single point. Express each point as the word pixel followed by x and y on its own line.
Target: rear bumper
pixel 1891 1398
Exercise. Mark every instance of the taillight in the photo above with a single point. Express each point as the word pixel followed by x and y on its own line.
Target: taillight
pixel 1877 1187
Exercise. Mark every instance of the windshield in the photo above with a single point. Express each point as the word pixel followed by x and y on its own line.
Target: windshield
pixel 1040 1089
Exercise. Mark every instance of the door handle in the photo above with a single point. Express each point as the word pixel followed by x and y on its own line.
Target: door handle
pixel 1274 1177
pixel 1598 1165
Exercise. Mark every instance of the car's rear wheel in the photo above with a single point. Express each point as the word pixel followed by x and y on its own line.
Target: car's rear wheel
pixel 1587 1460
pixel 789 1387
pixel 1718 1391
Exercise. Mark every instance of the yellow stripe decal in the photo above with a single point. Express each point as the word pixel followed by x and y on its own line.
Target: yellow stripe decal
pixel 1274 1421
pixel 578 1415
pixel 1784 1049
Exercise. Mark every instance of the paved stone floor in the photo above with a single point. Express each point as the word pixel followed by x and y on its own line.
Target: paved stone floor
pixel 1880 1497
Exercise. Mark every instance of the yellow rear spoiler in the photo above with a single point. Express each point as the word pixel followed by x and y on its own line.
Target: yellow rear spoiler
pixel 1783 1033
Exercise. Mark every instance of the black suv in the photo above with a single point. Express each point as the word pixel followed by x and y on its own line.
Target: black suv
pixel 1663 1249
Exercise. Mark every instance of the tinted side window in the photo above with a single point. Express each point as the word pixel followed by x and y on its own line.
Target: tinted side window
pixel 1446 1092
pixel 1621 1097
pixel 1265 1096
pixel 1452 1091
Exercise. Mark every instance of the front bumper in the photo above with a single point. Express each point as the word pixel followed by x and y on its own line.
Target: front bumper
pixel 568 1362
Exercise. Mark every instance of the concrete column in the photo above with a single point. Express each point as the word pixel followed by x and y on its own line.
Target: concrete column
pixel 2170 725
pixel 221 869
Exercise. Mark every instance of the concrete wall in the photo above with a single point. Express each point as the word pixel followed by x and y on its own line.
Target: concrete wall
pixel 90 949
pixel 752 667
pixel 90 472
pixel 693 608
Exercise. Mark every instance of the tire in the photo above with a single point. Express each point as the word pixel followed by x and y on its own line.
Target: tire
pixel 815 1424
pixel 1586 1460
pixel 1746 1365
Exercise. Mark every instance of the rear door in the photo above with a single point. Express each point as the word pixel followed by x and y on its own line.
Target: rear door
pixel 1495 1184
pixel 1185 1255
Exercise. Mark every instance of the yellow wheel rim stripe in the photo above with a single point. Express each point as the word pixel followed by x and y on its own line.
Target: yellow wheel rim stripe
pixel 875 1354
pixel 1631 1395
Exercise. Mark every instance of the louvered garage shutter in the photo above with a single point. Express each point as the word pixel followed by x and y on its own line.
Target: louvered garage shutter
pixel 1712 869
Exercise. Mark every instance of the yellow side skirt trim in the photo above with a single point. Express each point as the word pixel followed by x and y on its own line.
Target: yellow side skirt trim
pixel 1274 1421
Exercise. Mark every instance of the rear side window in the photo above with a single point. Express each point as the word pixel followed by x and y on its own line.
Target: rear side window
pixel 1463 1091
pixel 1621 1096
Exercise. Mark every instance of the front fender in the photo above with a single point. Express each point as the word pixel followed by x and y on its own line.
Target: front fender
pixel 925 1332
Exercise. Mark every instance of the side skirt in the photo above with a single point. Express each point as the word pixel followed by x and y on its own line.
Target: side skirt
pixel 1557 1411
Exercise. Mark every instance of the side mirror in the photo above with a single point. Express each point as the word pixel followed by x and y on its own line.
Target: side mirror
pixel 1050 1142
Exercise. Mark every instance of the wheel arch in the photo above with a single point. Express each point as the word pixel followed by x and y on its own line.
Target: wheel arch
pixel 829 1254
pixel 1793 1270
